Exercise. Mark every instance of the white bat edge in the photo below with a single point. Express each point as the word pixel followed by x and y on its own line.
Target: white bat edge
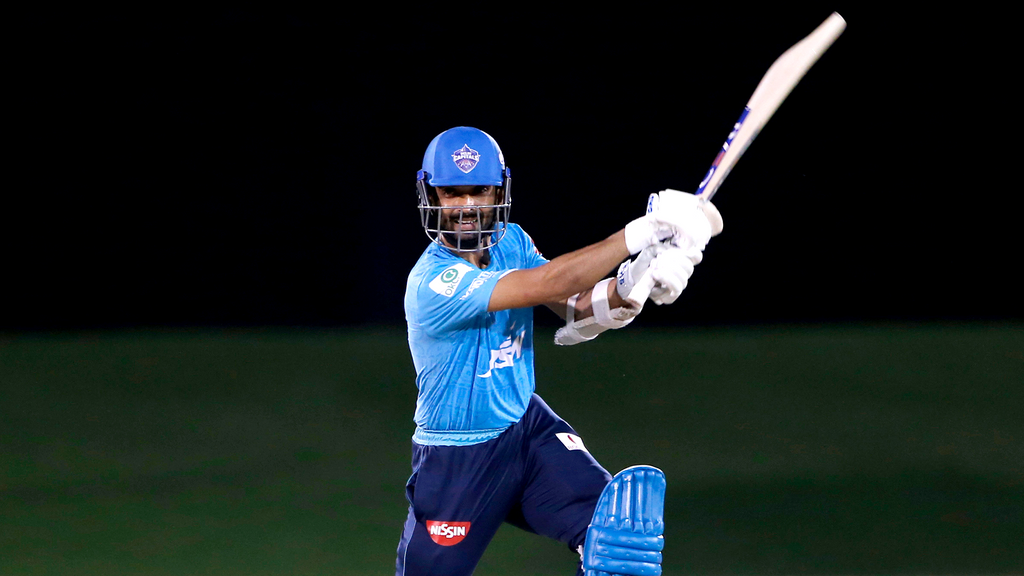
pixel 780 79
pixel 775 85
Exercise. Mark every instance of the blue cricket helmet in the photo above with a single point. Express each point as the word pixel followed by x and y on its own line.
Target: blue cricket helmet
pixel 464 156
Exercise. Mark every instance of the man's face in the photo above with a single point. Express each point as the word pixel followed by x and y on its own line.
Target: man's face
pixel 462 221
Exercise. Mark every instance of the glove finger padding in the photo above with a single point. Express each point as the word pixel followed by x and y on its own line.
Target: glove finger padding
pixel 660 294
pixel 671 271
pixel 696 255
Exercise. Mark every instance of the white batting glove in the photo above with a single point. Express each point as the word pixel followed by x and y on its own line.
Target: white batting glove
pixel 674 215
pixel 632 270
pixel 671 271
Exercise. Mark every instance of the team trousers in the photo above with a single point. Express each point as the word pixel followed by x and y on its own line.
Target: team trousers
pixel 529 476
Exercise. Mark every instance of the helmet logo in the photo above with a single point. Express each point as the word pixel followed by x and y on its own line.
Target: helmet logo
pixel 466 158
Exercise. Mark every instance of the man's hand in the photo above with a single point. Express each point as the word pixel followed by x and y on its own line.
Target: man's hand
pixel 671 271
pixel 677 216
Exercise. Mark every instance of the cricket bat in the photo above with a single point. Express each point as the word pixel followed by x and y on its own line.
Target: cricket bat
pixel 775 85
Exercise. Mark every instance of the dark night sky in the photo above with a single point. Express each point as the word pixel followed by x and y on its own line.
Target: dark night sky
pixel 257 168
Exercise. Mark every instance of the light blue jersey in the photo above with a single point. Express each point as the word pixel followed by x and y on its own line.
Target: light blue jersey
pixel 474 368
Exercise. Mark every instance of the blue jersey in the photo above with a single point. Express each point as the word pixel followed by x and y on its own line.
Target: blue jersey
pixel 474 368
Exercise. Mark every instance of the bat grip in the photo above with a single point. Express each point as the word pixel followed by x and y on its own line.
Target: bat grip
pixel 641 290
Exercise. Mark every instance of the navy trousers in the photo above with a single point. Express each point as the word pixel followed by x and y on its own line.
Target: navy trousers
pixel 536 476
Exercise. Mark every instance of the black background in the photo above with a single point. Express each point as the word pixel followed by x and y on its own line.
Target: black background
pixel 257 167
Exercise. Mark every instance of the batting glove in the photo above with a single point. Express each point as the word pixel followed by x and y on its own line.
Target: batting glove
pixel 631 271
pixel 671 271
pixel 676 216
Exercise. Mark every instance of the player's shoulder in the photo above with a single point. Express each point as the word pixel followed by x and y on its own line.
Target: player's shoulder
pixel 515 234
pixel 521 239
pixel 516 231
pixel 436 266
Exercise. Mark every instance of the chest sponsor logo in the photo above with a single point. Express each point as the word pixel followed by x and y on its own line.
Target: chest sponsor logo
pixel 447 282
pixel 572 441
pixel 447 533
pixel 506 354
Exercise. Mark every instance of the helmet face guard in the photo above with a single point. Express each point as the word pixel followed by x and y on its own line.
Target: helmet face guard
pixel 443 225
pixel 464 157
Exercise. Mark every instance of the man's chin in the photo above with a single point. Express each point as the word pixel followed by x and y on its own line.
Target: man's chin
pixel 469 240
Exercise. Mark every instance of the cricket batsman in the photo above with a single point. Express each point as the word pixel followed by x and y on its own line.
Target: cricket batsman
pixel 486 448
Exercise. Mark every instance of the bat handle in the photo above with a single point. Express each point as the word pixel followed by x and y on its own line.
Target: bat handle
pixel 641 290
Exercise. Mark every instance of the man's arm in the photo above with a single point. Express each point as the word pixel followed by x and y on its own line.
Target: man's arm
pixel 583 306
pixel 553 283
pixel 568 275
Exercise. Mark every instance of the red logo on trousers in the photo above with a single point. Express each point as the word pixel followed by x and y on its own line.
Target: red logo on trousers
pixel 447 533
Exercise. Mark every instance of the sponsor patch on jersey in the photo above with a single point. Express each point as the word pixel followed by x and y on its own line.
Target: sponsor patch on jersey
pixel 572 441
pixel 466 158
pixel 479 281
pixel 447 282
pixel 447 533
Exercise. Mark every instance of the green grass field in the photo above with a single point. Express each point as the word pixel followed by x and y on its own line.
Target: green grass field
pixel 895 449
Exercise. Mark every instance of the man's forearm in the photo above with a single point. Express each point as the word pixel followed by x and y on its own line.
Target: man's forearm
pixel 578 271
pixel 583 307
pixel 562 277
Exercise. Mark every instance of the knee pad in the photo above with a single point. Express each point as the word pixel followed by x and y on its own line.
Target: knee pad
pixel 626 535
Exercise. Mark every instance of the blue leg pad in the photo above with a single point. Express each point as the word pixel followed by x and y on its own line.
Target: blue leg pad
pixel 626 535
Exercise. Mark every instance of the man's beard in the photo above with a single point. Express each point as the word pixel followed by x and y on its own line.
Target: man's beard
pixel 468 239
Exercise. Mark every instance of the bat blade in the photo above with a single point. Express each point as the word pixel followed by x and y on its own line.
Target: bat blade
pixel 774 87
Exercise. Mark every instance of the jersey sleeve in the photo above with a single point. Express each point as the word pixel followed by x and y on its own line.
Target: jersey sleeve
pixel 454 297
pixel 531 254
